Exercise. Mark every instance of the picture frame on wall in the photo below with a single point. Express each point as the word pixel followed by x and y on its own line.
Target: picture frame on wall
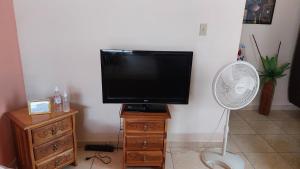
pixel 259 11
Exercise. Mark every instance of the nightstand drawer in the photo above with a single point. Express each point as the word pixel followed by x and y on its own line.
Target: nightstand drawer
pixel 145 126
pixel 53 147
pixel 50 131
pixel 57 161
pixel 144 157
pixel 147 142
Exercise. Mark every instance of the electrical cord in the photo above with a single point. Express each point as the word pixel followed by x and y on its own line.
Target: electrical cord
pixel 210 138
pixel 172 158
pixel 92 164
pixel 215 130
pixel 120 128
pixel 103 158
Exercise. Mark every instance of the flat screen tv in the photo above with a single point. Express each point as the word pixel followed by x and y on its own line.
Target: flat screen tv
pixel 146 77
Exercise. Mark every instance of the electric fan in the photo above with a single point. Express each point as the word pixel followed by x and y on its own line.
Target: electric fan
pixel 234 87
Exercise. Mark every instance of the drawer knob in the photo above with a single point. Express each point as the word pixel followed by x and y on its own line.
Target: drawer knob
pixel 145 127
pixel 57 162
pixel 53 131
pixel 144 157
pixel 145 143
pixel 54 147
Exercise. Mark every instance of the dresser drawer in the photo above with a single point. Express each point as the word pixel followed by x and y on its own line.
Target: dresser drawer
pixel 148 142
pixel 53 147
pixel 144 157
pixel 58 161
pixel 50 131
pixel 145 126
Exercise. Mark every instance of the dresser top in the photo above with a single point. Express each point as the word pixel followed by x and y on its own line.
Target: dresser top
pixel 22 118
pixel 143 115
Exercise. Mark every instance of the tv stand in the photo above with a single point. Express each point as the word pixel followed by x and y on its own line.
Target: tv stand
pixel 144 138
pixel 153 108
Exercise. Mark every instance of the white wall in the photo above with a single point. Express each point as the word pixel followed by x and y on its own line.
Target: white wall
pixel 284 28
pixel 60 42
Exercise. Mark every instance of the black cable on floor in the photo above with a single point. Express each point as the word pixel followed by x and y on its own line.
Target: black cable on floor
pixel 103 158
pixel 92 164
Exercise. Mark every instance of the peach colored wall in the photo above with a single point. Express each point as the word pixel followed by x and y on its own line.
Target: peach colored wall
pixel 12 92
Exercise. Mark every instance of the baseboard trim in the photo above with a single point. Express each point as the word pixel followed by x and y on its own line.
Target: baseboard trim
pixel 174 139
pixel 195 137
pixel 173 144
pixel 274 107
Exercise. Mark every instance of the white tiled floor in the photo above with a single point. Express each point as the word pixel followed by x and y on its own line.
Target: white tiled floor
pixel 264 142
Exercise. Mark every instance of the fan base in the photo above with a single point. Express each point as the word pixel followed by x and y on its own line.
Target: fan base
pixel 228 161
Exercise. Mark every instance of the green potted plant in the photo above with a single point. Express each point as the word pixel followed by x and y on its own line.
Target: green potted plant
pixel 272 70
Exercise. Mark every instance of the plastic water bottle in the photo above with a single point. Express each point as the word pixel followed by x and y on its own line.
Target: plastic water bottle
pixel 57 100
pixel 66 102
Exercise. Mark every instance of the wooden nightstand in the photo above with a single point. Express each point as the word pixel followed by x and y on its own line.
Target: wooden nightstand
pixel 145 136
pixel 44 141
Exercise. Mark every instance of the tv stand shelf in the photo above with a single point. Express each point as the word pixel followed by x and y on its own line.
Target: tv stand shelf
pixel 144 138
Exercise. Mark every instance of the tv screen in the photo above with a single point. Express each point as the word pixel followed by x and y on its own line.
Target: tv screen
pixel 132 76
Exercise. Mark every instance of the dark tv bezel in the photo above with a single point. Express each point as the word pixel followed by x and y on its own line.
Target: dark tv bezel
pixel 106 99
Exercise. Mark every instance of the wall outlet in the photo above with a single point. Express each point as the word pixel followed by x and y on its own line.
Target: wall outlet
pixel 203 29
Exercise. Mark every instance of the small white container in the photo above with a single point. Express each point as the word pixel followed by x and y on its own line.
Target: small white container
pixel 66 102
pixel 57 100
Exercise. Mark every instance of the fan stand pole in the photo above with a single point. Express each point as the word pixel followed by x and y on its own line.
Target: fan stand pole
pixel 226 130
pixel 225 159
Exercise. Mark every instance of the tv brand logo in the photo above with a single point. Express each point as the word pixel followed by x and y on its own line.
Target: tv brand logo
pixel 146 100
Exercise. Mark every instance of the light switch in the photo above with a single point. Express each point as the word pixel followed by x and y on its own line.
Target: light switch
pixel 203 29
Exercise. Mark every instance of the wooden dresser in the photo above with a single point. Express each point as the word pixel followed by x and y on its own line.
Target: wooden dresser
pixel 45 141
pixel 144 142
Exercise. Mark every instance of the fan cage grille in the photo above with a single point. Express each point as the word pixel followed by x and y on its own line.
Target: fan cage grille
pixel 236 85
